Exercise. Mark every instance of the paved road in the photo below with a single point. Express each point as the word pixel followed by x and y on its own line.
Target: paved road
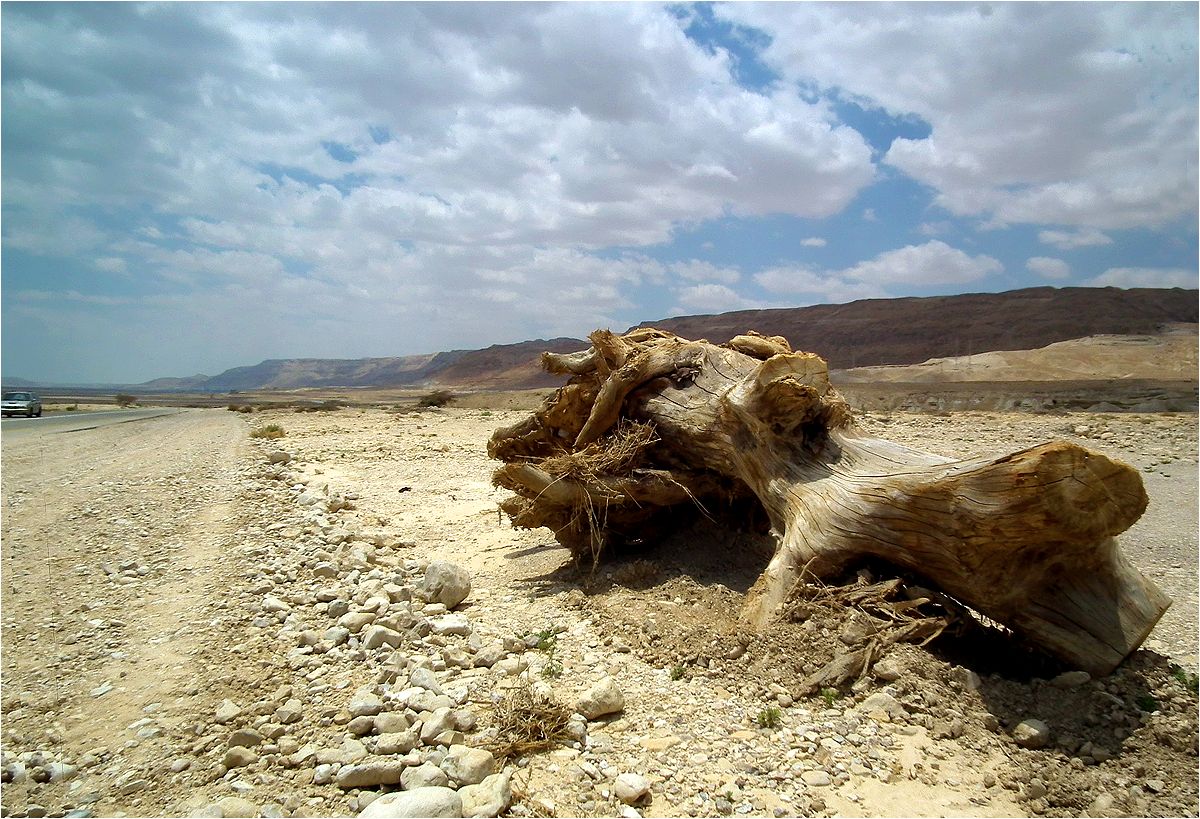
pixel 73 422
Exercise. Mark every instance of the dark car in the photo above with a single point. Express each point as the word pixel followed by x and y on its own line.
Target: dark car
pixel 20 403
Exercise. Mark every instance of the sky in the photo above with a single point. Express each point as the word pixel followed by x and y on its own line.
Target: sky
pixel 192 187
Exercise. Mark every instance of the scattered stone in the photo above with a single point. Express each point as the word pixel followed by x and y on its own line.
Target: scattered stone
pixel 468 766
pixel 489 798
pixel 450 625
pixel 424 678
pixel 237 806
pixel 290 711
pixel 371 774
pixel 1071 679
pixel 816 779
pixel 400 742
pixel 422 802
pixel 887 670
pixel 239 756
pixel 425 775
pixel 1031 733
pixel 227 712
pixel 602 698
pixel 365 703
pixel 391 722
pixel 885 703
pixel 246 737
pixel 447 583
pixel 631 788
pixel 376 636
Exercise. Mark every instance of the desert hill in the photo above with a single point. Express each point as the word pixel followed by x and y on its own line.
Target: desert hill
pixel 911 330
pixel 1170 355
pixel 863 333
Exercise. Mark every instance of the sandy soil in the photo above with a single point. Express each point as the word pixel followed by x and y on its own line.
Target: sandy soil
pixel 135 560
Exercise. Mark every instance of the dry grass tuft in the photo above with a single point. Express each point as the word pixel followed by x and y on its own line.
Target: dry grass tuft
pixel 618 453
pixel 269 431
pixel 527 722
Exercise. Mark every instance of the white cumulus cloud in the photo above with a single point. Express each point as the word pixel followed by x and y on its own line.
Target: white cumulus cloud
pixel 1048 268
pixel 1128 277
pixel 1072 239
pixel 1072 114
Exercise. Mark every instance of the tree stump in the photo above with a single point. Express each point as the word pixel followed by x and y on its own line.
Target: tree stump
pixel 652 429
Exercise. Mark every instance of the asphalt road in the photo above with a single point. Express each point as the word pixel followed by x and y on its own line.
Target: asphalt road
pixel 74 422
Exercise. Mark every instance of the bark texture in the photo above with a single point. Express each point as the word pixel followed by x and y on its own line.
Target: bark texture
pixel 652 428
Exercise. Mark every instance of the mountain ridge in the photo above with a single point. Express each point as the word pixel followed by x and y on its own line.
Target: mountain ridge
pixel 862 333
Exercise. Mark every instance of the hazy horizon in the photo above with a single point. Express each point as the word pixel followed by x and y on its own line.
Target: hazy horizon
pixel 191 187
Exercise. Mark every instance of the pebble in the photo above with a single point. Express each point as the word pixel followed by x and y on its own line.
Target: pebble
pixel 468 766
pixel 370 774
pixel 631 788
pixel 425 775
pixel 422 802
pixel 447 583
pixel 237 806
pixel 227 712
pixel 1031 733
pixel 489 798
pixel 816 779
pixel 1071 679
pixel 239 756
pixel 603 698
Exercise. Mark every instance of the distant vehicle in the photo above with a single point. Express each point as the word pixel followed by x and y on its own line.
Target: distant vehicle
pixel 20 403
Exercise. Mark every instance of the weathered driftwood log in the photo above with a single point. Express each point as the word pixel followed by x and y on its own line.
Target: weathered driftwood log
pixel 652 428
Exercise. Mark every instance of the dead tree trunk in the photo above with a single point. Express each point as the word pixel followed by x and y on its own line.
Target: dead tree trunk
pixel 652 426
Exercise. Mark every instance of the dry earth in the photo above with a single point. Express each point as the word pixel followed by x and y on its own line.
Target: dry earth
pixel 176 641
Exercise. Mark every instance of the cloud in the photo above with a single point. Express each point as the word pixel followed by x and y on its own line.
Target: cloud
pixel 701 271
pixel 1127 277
pixel 710 298
pixel 1070 240
pixel 933 263
pixel 1039 113
pixel 813 241
pixel 1048 268
pixel 499 130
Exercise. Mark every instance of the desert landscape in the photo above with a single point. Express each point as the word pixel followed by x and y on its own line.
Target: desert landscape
pixel 200 620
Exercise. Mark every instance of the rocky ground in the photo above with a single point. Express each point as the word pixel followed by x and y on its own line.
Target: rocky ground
pixel 197 622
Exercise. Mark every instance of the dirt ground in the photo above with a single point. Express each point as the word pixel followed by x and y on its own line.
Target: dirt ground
pixel 135 557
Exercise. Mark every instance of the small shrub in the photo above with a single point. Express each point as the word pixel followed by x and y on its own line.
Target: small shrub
pixel 269 431
pixel 528 723
pixel 829 695
pixel 232 408
pixel 124 400
pixel 1189 681
pixel 770 717
pixel 1147 703
pixel 73 408
pixel 676 673
pixel 437 398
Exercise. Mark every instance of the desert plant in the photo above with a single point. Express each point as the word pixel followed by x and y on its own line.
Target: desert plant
pixel 73 408
pixel 829 695
pixel 676 672
pixel 1189 681
pixel 269 431
pixel 437 398
pixel 770 717
pixel 527 722
pixel 125 400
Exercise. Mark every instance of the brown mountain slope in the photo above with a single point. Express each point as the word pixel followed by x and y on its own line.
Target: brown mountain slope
pixel 912 330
